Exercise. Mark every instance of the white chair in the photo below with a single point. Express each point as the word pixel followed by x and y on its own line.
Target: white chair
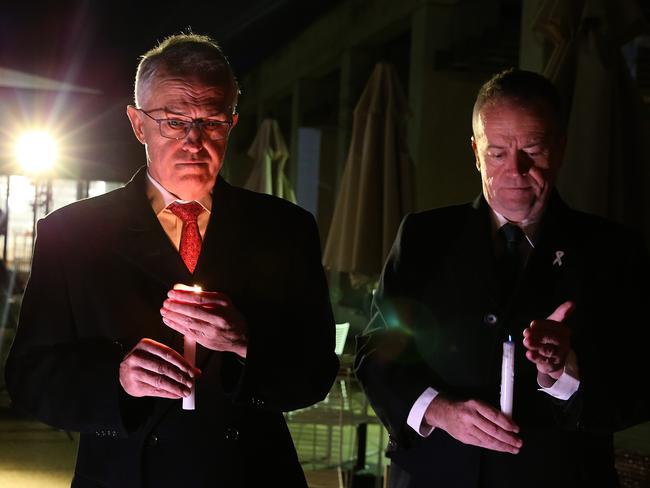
pixel 341 336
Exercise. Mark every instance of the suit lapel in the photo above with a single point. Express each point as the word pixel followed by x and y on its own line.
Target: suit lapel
pixel 145 246
pixel 221 264
pixel 143 241
pixel 475 252
pixel 548 271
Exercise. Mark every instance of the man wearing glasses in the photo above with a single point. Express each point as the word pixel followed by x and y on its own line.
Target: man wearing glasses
pixel 100 344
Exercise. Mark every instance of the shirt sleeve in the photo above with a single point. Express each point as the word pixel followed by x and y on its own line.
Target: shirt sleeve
pixel 416 414
pixel 568 383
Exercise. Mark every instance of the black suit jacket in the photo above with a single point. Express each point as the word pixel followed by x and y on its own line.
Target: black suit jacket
pixel 101 271
pixel 440 321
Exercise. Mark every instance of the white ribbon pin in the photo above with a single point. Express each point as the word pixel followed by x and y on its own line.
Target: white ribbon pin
pixel 558 258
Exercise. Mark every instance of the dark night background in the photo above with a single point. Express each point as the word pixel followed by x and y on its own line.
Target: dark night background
pixel 97 44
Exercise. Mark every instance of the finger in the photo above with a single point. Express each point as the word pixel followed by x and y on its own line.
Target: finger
pixel 179 327
pixel 529 344
pixel 166 353
pixel 544 364
pixel 482 439
pixel 533 345
pixel 548 352
pixel 538 341
pixel 147 390
pixel 496 433
pixel 187 325
pixel 191 310
pixel 199 298
pixel 161 383
pixel 196 334
pixel 156 365
pixel 495 416
pixel 562 312
pixel 546 332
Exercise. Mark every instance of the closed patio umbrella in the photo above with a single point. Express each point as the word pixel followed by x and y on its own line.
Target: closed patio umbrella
pixel 270 154
pixel 606 162
pixel 376 188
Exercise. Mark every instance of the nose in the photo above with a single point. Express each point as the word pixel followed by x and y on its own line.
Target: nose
pixel 522 162
pixel 193 141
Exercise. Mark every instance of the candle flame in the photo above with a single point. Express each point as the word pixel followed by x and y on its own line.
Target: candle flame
pixel 194 288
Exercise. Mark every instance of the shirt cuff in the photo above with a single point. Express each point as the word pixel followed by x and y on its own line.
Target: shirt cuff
pixel 568 383
pixel 415 419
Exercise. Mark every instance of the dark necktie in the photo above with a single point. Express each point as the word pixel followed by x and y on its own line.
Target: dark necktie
pixel 190 246
pixel 511 263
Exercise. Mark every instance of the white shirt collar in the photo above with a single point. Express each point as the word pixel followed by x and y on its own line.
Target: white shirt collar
pixel 528 226
pixel 168 197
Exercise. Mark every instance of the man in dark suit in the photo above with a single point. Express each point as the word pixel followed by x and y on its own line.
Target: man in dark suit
pixel 566 286
pixel 99 347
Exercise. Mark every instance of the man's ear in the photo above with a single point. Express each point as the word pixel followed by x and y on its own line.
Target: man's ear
pixel 475 149
pixel 235 118
pixel 135 117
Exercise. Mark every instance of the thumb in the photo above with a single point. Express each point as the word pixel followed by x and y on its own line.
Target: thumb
pixel 563 311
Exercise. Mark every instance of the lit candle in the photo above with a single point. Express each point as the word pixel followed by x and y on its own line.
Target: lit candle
pixel 189 350
pixel 507 376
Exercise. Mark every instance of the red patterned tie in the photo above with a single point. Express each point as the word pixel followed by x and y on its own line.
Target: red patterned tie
pixel 190 246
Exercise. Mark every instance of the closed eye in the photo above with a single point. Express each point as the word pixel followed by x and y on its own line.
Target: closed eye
pixel 534 152
pixel 177 124
pixel 213 124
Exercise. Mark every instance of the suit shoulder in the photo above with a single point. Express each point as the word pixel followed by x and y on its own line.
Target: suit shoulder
pixel 87 210
pixel 449 217
pixel 602 233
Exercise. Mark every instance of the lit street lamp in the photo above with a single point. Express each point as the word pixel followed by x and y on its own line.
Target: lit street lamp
pixel 36 152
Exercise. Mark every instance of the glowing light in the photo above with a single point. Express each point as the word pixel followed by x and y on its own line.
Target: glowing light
pixel 36 152
pixel 194 288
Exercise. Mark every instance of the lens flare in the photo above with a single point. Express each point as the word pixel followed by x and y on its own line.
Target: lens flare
pixel 36 152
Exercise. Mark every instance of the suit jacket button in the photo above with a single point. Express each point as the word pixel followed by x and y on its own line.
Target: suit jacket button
pixel 152 440
pixel 490 319
pixel 232 434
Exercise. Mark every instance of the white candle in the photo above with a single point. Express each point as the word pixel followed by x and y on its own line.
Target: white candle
pixel 189 350
pixel 507 376
pixel 189 353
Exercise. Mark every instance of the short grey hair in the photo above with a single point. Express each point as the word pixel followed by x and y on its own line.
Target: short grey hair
pixel 190 55
pixel 525 88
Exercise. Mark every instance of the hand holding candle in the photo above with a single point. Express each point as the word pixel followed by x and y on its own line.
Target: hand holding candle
pixel 208 318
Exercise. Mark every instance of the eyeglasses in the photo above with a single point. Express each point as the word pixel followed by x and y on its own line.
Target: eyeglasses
pixel 178 126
